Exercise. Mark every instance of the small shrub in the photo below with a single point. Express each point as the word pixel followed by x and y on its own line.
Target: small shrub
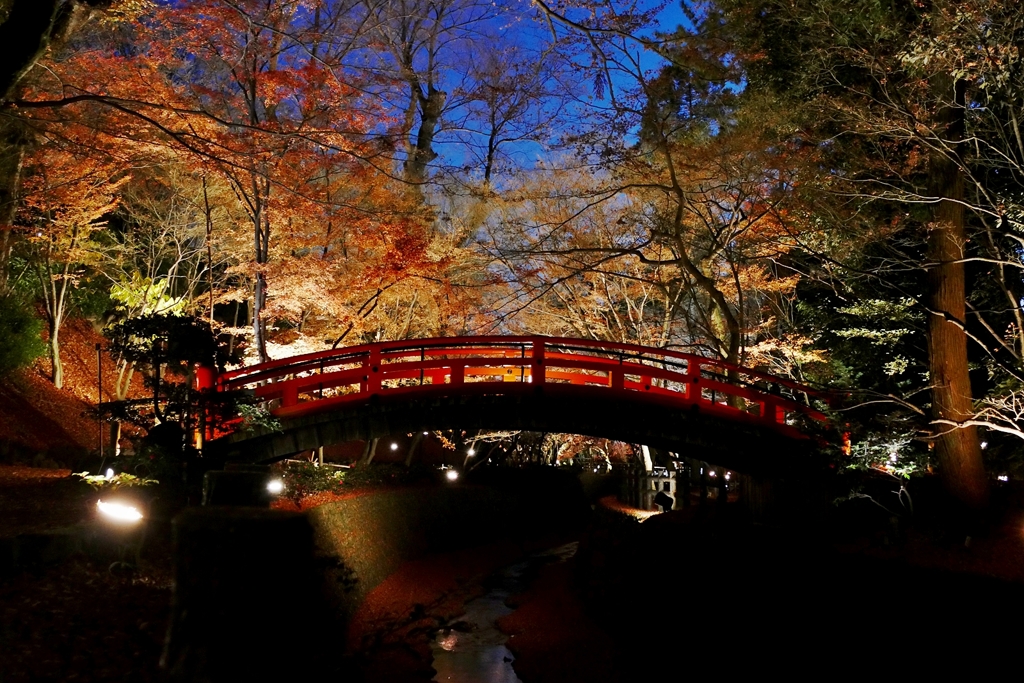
pixel 303 479
pixel 257 416
pixel 119 481
pixel 20 331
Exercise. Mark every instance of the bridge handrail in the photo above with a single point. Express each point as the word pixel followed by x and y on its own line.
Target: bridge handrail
pixel 317 360
pixel 297 384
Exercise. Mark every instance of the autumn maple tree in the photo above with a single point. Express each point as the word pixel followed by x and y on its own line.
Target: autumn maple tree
pixel 66 198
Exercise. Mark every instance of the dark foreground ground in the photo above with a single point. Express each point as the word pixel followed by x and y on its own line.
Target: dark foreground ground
pixel 66 615
pixel 681 594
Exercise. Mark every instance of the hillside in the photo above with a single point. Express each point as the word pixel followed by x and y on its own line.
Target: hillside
pixel 46 426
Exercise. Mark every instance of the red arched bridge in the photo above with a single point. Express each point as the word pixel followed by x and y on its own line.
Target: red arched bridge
pixel 700 407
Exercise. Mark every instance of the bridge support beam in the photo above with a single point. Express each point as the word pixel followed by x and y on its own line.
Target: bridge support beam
pixel 739 447
pixel 683 485
pixel 703 469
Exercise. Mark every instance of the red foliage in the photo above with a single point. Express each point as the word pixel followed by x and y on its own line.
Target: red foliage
pixel 315 500
pixel 38 418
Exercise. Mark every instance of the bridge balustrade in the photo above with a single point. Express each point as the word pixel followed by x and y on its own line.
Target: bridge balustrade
pixel 322 380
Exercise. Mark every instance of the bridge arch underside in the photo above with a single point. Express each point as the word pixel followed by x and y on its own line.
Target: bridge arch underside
pixel 735 444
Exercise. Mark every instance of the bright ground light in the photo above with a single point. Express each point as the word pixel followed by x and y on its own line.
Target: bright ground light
pixel 452 475
pixel 275 486
pixel 119 511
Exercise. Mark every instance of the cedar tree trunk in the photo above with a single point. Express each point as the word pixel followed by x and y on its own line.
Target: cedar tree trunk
pixel 956 447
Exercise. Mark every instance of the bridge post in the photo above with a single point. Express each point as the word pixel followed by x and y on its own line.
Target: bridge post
pixel 458 375
pixel 537 372
pixel 772 412
pixel 206 384
pixel 693 381
pixel 373 371
pixel 290 394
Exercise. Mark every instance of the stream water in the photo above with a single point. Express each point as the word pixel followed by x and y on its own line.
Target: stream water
pixel 472 650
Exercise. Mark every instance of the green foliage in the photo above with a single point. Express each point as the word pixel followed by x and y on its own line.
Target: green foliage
pixel 172 340
pixel 303 479
pixel 258 417
pixel 121 480
pixel 873 343
pixel 20 331
pixel 884 323
pixel 91 298
pixel 898 454
pixel 147 295
pixel 880 320
pixel 166 348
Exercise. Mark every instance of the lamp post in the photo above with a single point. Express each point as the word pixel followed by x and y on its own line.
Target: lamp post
pixel 99 399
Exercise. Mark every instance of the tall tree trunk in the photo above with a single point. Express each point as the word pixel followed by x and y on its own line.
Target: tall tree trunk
pixel 13 143
pixel 31 26
pixel 956 447
pixel 115 438
pixel 259 324
pixel 55 293
pixel 431 105
pixel 369 451
pixel 261 237
pixel 412 448
pixel 57 368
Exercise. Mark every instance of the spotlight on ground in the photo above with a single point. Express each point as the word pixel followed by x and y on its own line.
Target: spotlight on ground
pixel 119 512
pixel 451 475
pixel 275 486
pixel 394 446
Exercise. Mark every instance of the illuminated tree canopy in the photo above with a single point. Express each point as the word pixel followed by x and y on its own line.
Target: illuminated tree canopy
pixel 829 193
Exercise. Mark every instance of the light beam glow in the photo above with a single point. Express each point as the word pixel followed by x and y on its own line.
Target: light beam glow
pixel 275 486
pixel 451 475
pixel 119 512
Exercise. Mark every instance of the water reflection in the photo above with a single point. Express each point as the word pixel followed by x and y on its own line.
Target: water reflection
pixel 473 650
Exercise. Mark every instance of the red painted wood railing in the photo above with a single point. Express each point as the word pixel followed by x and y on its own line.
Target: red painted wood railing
pixel 319 381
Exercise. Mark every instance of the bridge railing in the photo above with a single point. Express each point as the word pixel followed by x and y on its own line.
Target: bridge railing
pixel 503 364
